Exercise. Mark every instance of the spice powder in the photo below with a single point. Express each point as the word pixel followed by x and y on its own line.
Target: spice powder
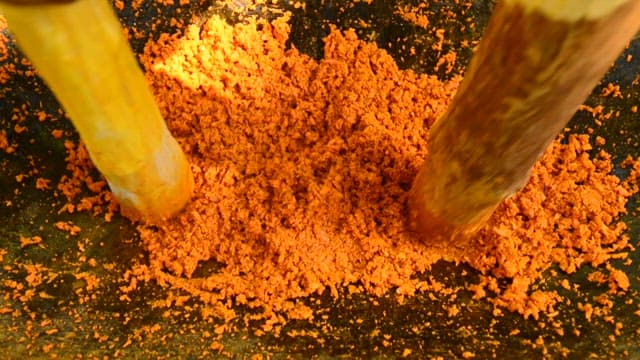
pixel 302 170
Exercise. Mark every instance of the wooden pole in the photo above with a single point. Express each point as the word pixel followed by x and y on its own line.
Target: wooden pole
pixel 79 49
pixel 537 62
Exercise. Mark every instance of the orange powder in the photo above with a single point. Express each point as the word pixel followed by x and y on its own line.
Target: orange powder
pixel 414 15
pixel 302 170
pixel 301 167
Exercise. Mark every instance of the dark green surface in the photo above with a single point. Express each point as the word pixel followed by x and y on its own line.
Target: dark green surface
pixel 420 324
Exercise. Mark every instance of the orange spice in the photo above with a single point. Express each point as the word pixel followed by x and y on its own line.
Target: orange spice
pixel 302 169
pixel 42 183
pixel 27 241
pixel 414 15
pixel 57 133
pixel 612 90
pixel 82 177
pixel 67 227
pixel 4 143
pixel 448 61
pixel 291 187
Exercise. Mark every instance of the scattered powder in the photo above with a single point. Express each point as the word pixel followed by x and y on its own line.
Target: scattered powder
pixel 302 170
pixel 612 90
pixel 565 215
pixel 82 175
pixel 57 133
pixel 28 241
pixel 415 15
pixel 4 143
pixel 68 226
pixel 42 183
pixel 448 61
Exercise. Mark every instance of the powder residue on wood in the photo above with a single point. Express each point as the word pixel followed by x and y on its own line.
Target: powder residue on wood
pixel 302 170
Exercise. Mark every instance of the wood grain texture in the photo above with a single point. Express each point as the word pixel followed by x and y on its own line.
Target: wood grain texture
pixel 569 10
pixel 80 51
pixel 35 2
pixel 528 77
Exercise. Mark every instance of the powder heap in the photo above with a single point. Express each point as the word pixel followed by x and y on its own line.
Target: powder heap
pixel 301 167
pixel 565 215
pixel 302 170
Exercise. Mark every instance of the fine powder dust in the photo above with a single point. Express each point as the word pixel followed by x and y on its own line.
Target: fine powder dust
pixel 302 170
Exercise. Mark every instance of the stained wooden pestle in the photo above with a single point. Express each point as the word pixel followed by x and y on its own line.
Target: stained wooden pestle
pixel 536 63
pixel 79 49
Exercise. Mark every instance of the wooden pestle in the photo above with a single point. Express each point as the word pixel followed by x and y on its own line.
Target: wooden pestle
pixel 79 49
pixel 536 63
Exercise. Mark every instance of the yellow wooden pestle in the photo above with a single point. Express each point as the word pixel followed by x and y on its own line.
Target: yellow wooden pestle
pixel 79 49
pixel 536 63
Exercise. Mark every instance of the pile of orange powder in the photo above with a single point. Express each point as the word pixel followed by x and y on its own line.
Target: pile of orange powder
pixel 302 170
